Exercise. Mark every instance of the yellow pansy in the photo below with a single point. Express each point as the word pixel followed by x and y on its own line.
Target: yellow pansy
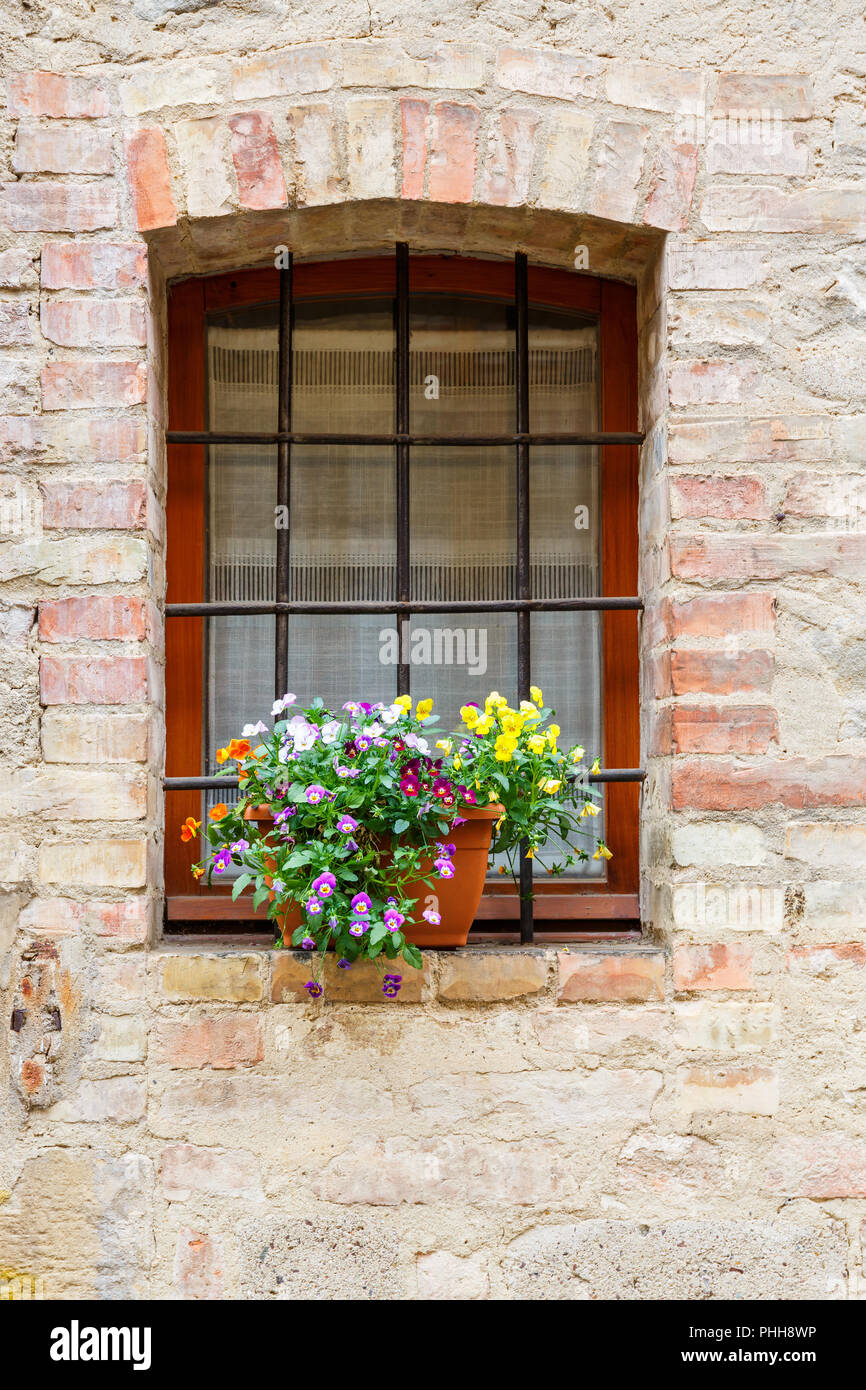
pixel 470 715
pixel 553 733
pixel 423 709
pixel 596 767
pixel 589 810
pixel 529 712
pixel 445 744
pixel 577 753
pixel 536 743
pixel 494 701
pixel 504 748
pixel 404 701
pixel 550 786
pixel 530 853
pixel 458 763
pixel 500 822
pixel 484 725
pixel 222 755
pixel 536 695
pixel 603 853
pixel 511 722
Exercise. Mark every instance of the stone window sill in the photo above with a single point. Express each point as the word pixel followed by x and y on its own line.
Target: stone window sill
pixel 542 975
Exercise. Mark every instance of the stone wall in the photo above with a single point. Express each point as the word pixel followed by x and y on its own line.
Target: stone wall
pixel 683 1117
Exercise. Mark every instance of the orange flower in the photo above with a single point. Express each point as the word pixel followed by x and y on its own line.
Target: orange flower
pixel 217 812
pixel 189 829
pixel 239 748
pixel 222 754
pixel 197 870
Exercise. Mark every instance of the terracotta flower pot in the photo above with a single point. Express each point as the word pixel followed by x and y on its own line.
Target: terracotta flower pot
pixel 456 899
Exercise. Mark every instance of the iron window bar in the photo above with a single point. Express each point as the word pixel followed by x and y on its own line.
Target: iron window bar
pixel 402 439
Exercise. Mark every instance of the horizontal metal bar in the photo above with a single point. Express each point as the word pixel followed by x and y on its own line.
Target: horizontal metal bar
pixel 440 440
pixel 189 784
pixel 219 609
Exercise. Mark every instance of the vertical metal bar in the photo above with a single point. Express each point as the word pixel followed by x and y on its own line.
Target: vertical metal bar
pixel 284 423
pixel 521 374
pixel 402 447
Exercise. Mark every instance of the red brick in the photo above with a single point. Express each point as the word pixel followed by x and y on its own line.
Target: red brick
pixel 738 557
pixel 712 967
pixel 819 1166
pixel 726 498
pixel 721 615
pixel 454 152
pixel 782 95
pixel 782 439
pixel 672 187
pixel 80 385
pixel 50 94
pixel 257 161
pixel 57 917
pixel 712 383
pixel 94 265
pixel 149 179
pixel 82 322
pixel 77 149
pixel 58 207
pixel 222 1043
pixel 86 680
pixel 716 673
pixel 117 618
pixel 795 782
pixel 198 1266
pixel 819 960
pixel 413 114
pixel 95 506
pixel 58 439
pixel 734 207
pixel 722 728
pixel 510 157
pixel 606 977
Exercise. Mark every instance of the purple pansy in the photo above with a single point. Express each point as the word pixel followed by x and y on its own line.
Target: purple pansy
pixel 346 825
pixel 324 885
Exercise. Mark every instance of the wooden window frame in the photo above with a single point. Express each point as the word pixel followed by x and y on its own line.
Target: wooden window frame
pixel 562 906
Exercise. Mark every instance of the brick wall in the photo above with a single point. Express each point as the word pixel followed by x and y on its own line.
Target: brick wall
pixel 521 1123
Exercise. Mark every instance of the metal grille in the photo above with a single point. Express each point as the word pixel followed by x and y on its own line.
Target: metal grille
pixel 523 588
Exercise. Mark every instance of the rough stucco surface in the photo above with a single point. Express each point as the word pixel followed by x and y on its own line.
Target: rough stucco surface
pixel 680 1118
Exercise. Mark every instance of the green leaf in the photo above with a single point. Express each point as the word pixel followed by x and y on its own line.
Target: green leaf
pixel 400 826
pixel 240 885
pixel 260 895
pixel 412 956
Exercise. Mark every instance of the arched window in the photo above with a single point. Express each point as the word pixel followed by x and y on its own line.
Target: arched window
pixel 404 474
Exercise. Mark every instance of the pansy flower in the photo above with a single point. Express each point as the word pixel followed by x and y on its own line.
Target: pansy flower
pixel 409 784
pixel 189 829
pixel 315 794
pixel 444 868
pixel 432 916
pixel 324 885
pixel 308 944
pixel 217 812
pixel 358 927
pixel 314 989
pixel 346 825
pixel 222 859
pixel 361 905
pixel 313 906
pixel 393 919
